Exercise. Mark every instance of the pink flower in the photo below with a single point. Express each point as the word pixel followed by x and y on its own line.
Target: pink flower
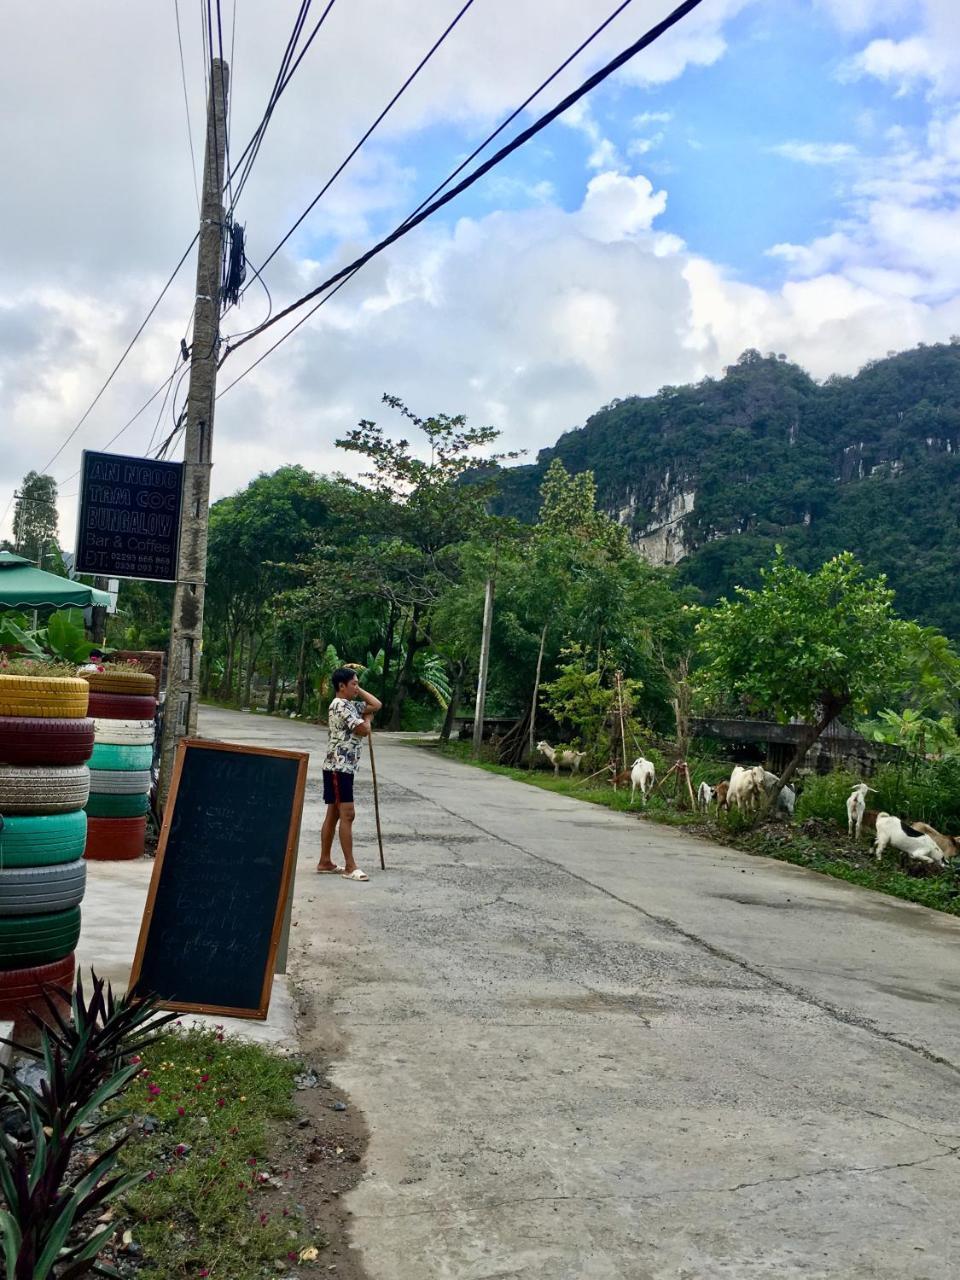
pixel 291 1256
pixel 204 1079
pixel 180 1150
pixel 181 1111
pixel 151 1177
pixel 221 1102
pixel 203 1272
pixel 252 1160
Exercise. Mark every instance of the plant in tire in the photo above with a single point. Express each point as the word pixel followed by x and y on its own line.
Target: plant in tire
pixel 86 1061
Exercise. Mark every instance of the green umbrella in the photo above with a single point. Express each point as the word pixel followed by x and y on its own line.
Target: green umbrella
pixel 24 586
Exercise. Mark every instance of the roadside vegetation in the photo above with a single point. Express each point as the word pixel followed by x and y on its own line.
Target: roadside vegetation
pixel 816 840
pixel 203 1105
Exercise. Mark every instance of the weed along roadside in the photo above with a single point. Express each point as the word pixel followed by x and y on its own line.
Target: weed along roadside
pixel 816 842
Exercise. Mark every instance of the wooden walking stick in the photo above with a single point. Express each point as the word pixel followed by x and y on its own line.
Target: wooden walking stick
pixel 376 801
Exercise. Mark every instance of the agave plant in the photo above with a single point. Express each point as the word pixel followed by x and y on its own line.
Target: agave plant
pixel 86 1064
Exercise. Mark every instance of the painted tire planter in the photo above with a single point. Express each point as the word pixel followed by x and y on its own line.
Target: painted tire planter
pixel 120 782
pixel 125 733
pixel 104 805
pixel 115 839
pixel 32 890
pixel 31 940
pixel 121 681
pixel 43 697
pixel 21 989
pixel 43 788
pixel 29 740
pixel 43 840
pixel 110 757
pixel 121 706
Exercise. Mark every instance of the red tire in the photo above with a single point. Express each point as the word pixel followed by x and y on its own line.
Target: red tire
pixel 115 839
pixel 21 990
pixel 31 740
pixel 121 706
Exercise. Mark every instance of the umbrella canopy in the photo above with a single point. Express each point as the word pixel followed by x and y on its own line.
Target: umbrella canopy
pixel 24 586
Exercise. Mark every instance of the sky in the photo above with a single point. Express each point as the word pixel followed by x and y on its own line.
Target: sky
pixel 778 174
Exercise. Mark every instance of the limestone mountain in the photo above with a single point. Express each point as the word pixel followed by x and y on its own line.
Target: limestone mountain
pixel 710 477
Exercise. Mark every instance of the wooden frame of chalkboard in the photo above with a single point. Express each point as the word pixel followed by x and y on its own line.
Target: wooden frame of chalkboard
pixel 180 870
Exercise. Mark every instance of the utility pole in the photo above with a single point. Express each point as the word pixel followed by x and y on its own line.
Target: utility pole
pixel 186 632
pixel 484 664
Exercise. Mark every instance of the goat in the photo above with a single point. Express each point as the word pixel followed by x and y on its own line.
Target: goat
pixel 745 787
pixel 568 758
pixel 642 775
pixel 720 795
pixel 915 844
pixel 856 806
pixel 787 799
pixel 870 819
pixel 705 795
pixel 948 845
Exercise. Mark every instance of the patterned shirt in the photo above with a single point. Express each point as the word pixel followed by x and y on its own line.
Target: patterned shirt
pixel 343 753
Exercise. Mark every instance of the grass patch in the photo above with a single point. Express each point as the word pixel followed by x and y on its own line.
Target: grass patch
pixel 203 1105
pixel 818 844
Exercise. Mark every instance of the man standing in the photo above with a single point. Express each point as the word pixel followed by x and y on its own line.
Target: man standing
pixel 348 720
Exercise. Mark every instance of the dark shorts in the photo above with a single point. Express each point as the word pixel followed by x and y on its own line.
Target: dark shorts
pixel 337 787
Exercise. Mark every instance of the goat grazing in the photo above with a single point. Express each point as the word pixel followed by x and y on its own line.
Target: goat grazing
pixel 787 799
pixel 856 807
pixel 642 775
pixel 568 758
pixel 705 794
pixel 915 844
pixel 720 795
pixel 948 845
pixel 745 787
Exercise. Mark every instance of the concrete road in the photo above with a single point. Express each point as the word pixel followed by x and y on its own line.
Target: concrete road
pixel 591 1048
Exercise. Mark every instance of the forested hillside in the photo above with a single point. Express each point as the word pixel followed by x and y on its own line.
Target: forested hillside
pixel 711 476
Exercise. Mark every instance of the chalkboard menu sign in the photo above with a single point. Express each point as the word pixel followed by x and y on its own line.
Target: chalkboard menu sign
pixel 224 867
pixel 129 518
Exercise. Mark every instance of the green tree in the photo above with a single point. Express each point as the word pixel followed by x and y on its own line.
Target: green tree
pixel 35 518
pixel 802 645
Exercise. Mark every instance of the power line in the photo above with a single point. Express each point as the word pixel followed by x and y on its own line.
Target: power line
pixel 186 103
pixel 127 350
pixel 343 164
pixel 524 136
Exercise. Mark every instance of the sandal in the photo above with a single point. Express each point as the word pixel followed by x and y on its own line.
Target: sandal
pixel 355 874
pixel 330 871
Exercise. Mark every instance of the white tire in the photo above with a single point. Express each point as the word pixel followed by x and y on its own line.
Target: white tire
pixel 43 788
pixel 124 733
pixel 120 782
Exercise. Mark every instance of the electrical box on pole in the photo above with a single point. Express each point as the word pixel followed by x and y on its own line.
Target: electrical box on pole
pixel 186 634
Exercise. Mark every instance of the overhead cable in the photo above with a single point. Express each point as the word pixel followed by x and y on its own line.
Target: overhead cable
pixel 399 93
pixel 524 136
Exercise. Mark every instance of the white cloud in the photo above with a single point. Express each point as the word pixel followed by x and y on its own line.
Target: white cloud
pixel 815 153
pixel 904 63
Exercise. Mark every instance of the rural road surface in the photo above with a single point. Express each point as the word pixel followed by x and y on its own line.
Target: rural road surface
pixel 591 1048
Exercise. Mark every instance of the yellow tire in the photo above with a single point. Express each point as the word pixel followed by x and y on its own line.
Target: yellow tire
pixel 43 696
pixel 121 680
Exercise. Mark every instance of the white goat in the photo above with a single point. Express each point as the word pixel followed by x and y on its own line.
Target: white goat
pixel 705 795
pixel 787 799
pixel 569 759
pixel 642 775
pixel 745 787
pixel 915 844
pixel 856 804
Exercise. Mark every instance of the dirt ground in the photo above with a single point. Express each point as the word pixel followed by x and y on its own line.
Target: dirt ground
pixel 316 1158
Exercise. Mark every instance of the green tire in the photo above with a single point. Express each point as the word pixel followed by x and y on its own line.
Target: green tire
pixel 110 755
pixel 42 840
pixel 38 939
pixel 105 805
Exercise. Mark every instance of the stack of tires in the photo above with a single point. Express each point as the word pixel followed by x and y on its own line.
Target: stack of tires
pixel 45 742
pixel 123 706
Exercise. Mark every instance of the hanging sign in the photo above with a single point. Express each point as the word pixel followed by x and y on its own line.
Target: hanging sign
pixel 129 519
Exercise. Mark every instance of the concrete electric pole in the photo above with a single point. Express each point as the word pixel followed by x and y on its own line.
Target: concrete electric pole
pixel 186 633
pixel 484 665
